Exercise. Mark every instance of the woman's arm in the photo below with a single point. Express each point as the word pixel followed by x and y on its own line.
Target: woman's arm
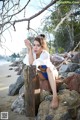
pixel 30 53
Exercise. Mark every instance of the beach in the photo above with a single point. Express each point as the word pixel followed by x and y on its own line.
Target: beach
pixel 7 77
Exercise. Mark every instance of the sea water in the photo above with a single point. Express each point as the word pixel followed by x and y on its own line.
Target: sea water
pixel 3 61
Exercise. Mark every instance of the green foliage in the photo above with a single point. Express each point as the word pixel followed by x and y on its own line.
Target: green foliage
pixel 67 35
pixel 60 50
pixel 51 47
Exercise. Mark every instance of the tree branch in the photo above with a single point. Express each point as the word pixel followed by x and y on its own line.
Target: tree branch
pixel 32 17
pixel 62 20
pixel 19 10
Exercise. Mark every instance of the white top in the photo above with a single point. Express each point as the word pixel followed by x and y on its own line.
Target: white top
pixel 44 59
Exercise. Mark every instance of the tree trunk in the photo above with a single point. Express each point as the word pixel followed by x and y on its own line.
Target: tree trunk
pixel 31 85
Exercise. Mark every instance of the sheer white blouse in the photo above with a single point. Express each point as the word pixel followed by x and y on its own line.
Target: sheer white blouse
pixel 44 59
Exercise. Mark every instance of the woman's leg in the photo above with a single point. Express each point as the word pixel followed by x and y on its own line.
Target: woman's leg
pixel 52 75
pixel 44 83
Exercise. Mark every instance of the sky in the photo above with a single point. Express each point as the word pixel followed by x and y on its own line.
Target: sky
pixel 15 40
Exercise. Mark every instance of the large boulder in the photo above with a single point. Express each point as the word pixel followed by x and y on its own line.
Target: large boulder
pixel 73 82
pixel 71 67
pixel 56 59
pixel 76 58
pixel 69 103
pixel 14 88
pixel 18 105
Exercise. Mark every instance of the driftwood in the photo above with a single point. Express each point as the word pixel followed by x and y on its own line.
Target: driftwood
pixel 32 95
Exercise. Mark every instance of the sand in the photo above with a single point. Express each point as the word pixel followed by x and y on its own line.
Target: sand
pixel 8 77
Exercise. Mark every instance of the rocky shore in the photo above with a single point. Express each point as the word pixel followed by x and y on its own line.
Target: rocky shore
pixel 68 93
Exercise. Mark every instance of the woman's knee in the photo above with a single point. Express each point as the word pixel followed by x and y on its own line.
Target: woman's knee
pixel 54 72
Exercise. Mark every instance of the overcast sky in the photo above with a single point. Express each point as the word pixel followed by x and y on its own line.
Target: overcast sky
pixel 15 41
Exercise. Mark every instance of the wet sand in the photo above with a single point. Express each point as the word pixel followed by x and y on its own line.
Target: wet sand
pixel 8 77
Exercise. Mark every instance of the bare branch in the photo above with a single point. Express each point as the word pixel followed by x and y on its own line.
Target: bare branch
pixel 33 30
pixel 77 46
pixel 45 8
pixel 5 29
pixel 62 20
pixel 33 16
pixel 20 10
pixel 7 18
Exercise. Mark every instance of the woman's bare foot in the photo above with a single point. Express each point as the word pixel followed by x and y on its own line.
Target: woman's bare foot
pixel 54 103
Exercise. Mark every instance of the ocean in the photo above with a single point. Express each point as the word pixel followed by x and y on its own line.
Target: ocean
pixel 3 61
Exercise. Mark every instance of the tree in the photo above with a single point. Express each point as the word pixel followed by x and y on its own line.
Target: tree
pixel 11 9
pixel 14 11
pixel 61 17
pixel 64 24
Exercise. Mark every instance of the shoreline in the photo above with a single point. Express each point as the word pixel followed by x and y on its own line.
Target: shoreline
pixel 8 77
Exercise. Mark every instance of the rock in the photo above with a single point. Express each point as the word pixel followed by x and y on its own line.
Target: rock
pixel 15 63
pixel 70 74
pixel 49 117
pixel 76 58
pixel 63 68
pixel 43 94
pixel 10 68
pixel 64 75
pixel 17 69
pixel 56 59
pixel 14 88
pixel 67 106
pixel 73 99
pixel 21 90
pixel 19 72
pixel 77 71
pixel 71 67
pixel 18 105
pixel 73 82
pixel 43 110
pixel 62 87
pixel 8 76
pixel 78 114
pixel 66 116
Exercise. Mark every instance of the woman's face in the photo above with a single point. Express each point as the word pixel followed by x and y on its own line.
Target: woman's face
pixel 37 47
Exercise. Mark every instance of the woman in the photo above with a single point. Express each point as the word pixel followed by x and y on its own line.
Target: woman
pixel 38 55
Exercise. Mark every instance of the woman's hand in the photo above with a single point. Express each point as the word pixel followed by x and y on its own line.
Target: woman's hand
pixel 28 44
